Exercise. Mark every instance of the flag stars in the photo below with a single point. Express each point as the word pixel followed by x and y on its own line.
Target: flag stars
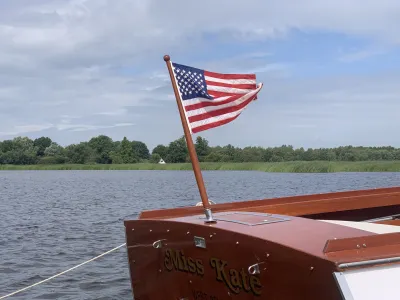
pixel 191 83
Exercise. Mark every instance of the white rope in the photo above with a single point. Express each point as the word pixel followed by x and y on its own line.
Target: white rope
pixel 59 274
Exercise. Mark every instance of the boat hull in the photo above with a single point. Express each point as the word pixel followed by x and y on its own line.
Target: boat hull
pixel 261 249
pixel 165 263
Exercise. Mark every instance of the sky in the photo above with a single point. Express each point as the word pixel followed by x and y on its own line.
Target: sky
pixel 75 69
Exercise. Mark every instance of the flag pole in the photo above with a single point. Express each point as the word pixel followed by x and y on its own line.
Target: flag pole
pixel 192 150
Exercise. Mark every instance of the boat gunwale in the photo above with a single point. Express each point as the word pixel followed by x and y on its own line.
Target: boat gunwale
pixel 299 205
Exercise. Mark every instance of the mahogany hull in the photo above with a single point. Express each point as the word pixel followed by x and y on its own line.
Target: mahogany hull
pixel 296 257
pixel 296 253
pixel 179 270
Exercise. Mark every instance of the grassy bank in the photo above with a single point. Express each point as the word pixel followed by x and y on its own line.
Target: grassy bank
pixel 286 167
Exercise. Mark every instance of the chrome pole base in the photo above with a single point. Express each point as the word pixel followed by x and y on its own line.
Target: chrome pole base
pixel 209 216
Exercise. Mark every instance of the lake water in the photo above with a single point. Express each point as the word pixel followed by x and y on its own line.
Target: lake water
pixel 53 220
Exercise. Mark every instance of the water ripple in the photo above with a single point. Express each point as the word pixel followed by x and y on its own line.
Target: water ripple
pixel 51 221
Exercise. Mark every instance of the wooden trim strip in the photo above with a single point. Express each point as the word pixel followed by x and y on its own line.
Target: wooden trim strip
pixel 295 205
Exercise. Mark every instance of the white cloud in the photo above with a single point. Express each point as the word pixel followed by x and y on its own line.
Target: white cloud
pixel 63 125
pixel 86 127
pixel 85 33
pixel 360 55
pixel 117 112
pixel 24 129
pixel 61 60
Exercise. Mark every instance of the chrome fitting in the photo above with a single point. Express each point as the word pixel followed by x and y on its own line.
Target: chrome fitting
pixel 209 216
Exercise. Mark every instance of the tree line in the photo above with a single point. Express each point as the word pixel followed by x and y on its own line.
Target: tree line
pixel 103 150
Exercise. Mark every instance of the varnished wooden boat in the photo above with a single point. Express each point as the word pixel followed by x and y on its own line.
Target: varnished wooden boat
pixel 270 249
pixel 331 246
pixel 378 205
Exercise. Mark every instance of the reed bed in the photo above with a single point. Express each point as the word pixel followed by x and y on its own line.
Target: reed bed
pixel 276 167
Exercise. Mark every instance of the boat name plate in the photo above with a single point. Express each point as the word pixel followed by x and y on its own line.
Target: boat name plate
pixel 175 260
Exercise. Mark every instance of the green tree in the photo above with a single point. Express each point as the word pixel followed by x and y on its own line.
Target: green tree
pixel 140 149
pixel 80 154
pixel 213 157
pixel 42 143
pixel 54 150
pixel 6 146
pixel 177 151
pixel 308 155
pixel 161 150
pixel 251 154
pixel 102 149
pixel 116 158
pixel 127 153
pixel 102 145
pixel 396 154
pixel 228 153
pixel 202 148
pixel 155 158
pixel 23 152
pixel 267 154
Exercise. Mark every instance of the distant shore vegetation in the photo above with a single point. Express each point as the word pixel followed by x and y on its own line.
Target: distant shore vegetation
pixel 276 167
pixel 102 152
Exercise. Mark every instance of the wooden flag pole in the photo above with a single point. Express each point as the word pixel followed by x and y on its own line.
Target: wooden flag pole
pixel 190 145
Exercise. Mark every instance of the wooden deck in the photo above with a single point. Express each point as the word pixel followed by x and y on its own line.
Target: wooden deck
pixel 351 206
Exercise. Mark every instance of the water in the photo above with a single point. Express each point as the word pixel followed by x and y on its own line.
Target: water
pixel 53 220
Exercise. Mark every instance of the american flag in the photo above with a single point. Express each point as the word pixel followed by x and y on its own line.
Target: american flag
pixel 213 99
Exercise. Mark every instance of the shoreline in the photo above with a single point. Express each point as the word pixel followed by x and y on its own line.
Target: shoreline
pixel 274 167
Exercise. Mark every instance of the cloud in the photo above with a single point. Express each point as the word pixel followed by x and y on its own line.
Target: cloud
pixel 117 112
pixel 360 55
pixel 86 127
pixel 66 34
pixel 88 65
pixel 339 110
pixel 24 129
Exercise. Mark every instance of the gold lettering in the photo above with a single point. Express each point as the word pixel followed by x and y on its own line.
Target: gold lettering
pixel 255 284
pixel 200 267
pixel 176 260
pixel 235 278
pixel 192 265
pixel 244 280
pixel 185 265
pixel 167 260
pixel 219 266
